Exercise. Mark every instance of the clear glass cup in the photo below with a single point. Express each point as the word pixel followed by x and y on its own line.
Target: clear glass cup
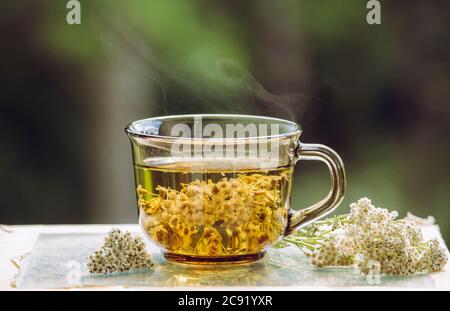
pixel 216 188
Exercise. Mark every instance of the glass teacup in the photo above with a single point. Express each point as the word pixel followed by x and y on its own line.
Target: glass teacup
pixel 216 188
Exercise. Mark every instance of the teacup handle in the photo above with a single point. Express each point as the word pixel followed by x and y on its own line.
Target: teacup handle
pixel 338 185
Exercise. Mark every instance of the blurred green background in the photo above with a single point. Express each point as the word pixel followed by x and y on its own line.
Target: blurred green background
pixel 379 95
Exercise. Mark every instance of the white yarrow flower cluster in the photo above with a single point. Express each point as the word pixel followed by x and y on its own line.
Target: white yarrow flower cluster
pixel 372 234
pixel 120 252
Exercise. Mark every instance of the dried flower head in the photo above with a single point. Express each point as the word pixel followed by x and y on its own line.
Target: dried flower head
pixel 368 235
pixel 234 215
pixel 120 252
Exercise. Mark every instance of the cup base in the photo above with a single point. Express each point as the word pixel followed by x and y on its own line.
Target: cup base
pixel 205 260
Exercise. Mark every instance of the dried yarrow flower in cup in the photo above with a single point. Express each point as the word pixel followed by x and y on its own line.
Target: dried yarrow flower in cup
pixel 369 234
pixel 239 215
pixel 120 252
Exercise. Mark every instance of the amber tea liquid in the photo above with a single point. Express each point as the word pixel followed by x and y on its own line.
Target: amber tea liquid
pixel 212 210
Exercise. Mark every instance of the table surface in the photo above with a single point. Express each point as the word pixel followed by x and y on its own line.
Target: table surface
pixel 16 241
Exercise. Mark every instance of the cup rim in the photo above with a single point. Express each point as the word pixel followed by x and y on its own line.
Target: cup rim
pixel 131 131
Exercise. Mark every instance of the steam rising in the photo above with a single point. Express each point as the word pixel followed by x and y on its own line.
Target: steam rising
pixel 201 82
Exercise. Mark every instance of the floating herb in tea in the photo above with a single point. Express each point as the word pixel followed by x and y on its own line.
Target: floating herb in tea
pixel 214 213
